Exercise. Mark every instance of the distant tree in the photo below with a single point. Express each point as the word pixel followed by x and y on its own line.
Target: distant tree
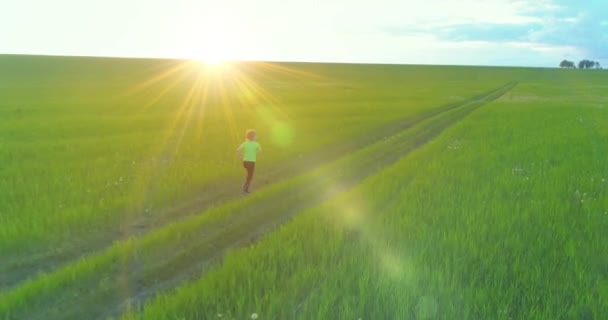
pixel 566 64
pixel 583 64
pixel 586 64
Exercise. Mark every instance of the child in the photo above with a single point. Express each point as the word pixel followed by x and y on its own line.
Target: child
pixel 249 150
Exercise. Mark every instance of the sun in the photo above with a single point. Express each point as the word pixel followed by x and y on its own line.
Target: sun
pixel 211 59
pixel 213 49
pixel 212 66
pixel 214 57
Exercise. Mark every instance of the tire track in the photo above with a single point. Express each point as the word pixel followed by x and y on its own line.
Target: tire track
pixel 19 266
pixel 153 269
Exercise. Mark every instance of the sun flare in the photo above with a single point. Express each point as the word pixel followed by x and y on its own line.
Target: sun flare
pixel 212 64
pixel 211 60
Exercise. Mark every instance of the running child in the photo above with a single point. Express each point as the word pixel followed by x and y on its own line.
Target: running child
pixel 249 150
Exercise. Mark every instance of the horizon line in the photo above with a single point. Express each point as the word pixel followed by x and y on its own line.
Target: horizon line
pixel 267 61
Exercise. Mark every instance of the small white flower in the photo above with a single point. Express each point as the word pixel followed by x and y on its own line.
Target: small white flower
pixel 603 180
pixel 219 315
pixel 254 316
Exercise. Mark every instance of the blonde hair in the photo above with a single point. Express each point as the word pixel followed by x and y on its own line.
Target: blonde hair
pixel 250 134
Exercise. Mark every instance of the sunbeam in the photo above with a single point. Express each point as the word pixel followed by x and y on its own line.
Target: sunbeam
pixel 163 75
pixel 231 92
pixel 352 215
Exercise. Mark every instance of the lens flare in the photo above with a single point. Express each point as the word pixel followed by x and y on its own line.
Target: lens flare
pixel 282 134
pixel 188 91
pixel 212 66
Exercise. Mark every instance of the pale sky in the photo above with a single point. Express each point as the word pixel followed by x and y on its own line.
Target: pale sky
pixel 472 32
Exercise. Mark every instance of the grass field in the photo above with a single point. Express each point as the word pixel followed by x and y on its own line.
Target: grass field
pixel 396 192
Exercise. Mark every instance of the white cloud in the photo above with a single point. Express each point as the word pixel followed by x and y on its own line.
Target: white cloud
pixel 355 31
pixel 395 31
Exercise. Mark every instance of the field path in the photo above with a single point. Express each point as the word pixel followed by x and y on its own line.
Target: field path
pixel 154 268
pixel 19 266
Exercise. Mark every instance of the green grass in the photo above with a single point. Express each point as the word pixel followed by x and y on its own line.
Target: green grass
pixel 504 218
pixel 157 259
pixel 404 191
pixel 94 142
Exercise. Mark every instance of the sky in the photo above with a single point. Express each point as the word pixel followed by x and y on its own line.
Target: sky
pixel 537 33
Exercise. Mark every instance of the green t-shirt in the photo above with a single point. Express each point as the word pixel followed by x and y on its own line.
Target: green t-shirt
pixel 250 150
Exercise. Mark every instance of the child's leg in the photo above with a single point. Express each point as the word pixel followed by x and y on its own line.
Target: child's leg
pixel 249 166
pixel 246 183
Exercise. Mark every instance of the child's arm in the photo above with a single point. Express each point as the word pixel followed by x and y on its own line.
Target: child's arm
pixel 239 150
